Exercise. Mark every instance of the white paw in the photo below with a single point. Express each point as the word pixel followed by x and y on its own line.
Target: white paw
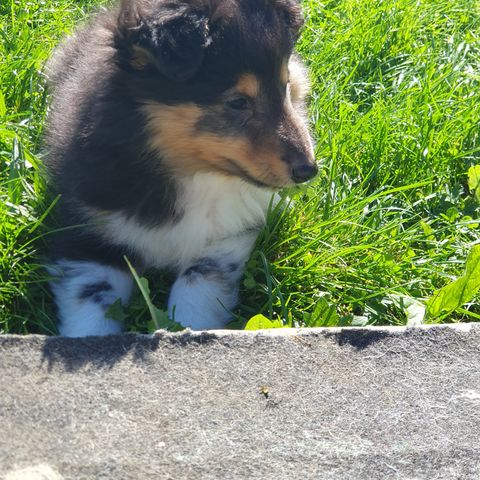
pixel 83 292
pixel 201 304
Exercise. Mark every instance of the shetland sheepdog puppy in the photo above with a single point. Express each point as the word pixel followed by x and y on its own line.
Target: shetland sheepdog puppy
pixel 172 123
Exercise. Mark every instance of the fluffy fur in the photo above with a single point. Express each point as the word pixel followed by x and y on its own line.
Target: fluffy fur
pixel 172 124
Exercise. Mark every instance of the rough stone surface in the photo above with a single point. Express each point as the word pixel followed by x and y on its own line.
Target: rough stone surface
pixel 352 404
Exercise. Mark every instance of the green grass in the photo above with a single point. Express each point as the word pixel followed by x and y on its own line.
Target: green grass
pixel 390 220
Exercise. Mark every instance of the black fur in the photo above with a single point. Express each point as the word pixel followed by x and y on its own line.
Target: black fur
pixel 98 153
pixel 94 291
pixel 204 266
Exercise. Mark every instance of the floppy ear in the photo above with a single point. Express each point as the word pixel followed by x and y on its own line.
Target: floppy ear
pixel 293 17
pixel 174 41
pixel 176 45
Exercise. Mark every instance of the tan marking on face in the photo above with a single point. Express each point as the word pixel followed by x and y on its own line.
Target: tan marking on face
pixel 248 85
pixel 284 72
pixel 140 58
pixel 186 150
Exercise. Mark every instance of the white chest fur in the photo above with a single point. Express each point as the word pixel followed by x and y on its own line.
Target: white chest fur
pixel 214 208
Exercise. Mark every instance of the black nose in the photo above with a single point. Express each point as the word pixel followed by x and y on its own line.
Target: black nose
pixel 302 173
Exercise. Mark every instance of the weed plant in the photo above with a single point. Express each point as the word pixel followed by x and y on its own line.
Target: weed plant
pixel 389 222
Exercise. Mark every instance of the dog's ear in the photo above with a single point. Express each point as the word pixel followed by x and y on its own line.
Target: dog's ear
pixel 173 40
pixel 293 17
pixel 176 44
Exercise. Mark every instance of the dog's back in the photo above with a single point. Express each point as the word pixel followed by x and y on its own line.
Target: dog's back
pixel 171 125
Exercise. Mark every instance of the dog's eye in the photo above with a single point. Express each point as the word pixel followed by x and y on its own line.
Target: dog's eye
pixel 239 103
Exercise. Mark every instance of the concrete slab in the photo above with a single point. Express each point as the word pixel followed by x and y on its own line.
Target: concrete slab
pixel 386 403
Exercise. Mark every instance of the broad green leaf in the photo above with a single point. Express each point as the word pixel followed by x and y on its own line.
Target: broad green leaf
pixel 144 287
pixel 161 320
pixel 159 317
pixel 249 282
pixel 413 308
pixel 259 322
pixel 324 314
pixel 457 293
pixel 474 181
pixel 427 230
pixel 116 312
pixel 359 321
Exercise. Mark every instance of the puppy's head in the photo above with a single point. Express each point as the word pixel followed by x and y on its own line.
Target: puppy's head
pixel 220 86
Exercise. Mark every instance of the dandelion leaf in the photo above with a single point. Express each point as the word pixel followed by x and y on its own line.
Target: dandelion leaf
pixel 457 293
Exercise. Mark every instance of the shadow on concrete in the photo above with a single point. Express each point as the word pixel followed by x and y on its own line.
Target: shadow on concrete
pixel 359 339
pixel 105 352
pixel 100 352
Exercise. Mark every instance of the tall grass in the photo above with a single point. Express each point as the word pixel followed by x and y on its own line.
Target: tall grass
pixel 28 32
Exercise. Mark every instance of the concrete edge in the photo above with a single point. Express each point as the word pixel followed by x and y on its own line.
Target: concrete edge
pixel 196 335
pixel 286 332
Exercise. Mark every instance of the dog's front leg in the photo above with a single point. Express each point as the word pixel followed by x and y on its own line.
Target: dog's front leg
pixel 207 289
pixel 83 291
